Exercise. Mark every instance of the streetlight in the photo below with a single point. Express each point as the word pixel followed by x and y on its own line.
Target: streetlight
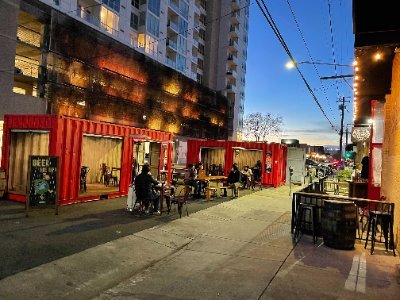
pixel 292 64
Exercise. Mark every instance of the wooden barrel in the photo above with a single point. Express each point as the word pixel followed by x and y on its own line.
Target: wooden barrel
pixel 2 182
pixel 339 224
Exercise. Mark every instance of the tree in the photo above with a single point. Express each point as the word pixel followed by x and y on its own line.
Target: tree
pixel 257 127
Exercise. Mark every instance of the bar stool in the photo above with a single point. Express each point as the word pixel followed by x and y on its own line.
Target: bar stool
pixel 386 225
pixel 301 220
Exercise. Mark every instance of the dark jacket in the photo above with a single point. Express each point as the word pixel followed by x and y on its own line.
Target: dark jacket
pixel 234 176
pixel 144 186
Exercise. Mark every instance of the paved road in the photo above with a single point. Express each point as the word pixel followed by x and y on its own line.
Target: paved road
pixel 240 249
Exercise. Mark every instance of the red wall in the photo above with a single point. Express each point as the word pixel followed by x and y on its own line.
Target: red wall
pixel 276 178
pixel 66 142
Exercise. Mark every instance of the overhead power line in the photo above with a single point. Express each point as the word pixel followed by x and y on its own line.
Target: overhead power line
pixel 310 57
pixel 267 15
pixel 333 44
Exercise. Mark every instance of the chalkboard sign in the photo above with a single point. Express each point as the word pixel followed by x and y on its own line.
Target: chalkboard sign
pixel 43 181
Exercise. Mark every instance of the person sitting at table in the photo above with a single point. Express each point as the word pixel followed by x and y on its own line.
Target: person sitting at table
pixel 246 176
pixel 191 180
pixel 144 185
pixel 234 180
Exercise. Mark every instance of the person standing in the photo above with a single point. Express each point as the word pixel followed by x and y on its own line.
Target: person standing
pixel 246 176
pixel 234 180
pixel 365 167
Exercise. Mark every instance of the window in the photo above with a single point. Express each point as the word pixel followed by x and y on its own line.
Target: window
pixel 183 27
pixel 201 49
pixel 113 4
pixel 182 45
pixel 135 3
pixel 153 25
pixel 202 34
pixel 149 43
pixel 202 19
pixel 180 63
pixel 184 9
pixel 109 20
pixel 199 78
pixel 154 7
pixel 134 21
pixel 200 64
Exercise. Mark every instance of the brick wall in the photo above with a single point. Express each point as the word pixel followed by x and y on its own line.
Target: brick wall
pixel 391 147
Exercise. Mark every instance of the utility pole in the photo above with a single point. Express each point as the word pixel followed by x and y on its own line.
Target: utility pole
pixel 347 135
pixel 342 107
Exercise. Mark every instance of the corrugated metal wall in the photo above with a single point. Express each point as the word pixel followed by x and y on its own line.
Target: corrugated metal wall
pixel 278 152
pixel 66 142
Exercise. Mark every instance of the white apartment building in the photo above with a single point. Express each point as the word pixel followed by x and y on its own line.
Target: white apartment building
pixel 204 40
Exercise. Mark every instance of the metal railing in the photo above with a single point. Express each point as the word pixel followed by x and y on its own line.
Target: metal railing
pixel 27 67
pixel 313 195
pixel 172 44
pixel 28 36
pixel 173 25
pixel 170 62
pixel 96 22
pixel 174 6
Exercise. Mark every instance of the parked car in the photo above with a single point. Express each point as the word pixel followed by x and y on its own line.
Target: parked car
pixel 321 170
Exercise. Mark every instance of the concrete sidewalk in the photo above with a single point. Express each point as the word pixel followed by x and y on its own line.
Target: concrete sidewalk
pixel 240 249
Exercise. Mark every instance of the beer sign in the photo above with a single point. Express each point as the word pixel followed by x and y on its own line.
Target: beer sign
pixel 43 181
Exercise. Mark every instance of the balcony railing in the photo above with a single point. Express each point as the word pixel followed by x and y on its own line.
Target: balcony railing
pixel 170 62
pixel 173 25
pixel 232 43
pixel 96 22
pixel 235 4
pixel 26 67
pixel 196 43
pixel 28 36
pixel 174 6
pixel 172 44
pixel 232 59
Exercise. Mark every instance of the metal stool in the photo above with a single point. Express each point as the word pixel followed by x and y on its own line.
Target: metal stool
pixel 301 220
pixel 386 226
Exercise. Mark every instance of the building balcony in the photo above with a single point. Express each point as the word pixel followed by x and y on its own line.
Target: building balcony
pixel 94 20
pixel 234 18
pixel 233 46
pixel 171 62
pixel 173 25
pixel 230 88
pixel 231 74
pixel 174 6
pixel 28 36
pixel 194 59
pixel 232 60
pixel 235 5
pixel 172 44
pixel 234 31
pixel 25 66
pixel 195 43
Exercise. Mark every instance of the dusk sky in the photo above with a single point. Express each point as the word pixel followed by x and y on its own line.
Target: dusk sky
pixel 271 88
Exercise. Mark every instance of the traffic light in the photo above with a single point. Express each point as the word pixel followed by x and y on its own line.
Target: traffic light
pixel 349 153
